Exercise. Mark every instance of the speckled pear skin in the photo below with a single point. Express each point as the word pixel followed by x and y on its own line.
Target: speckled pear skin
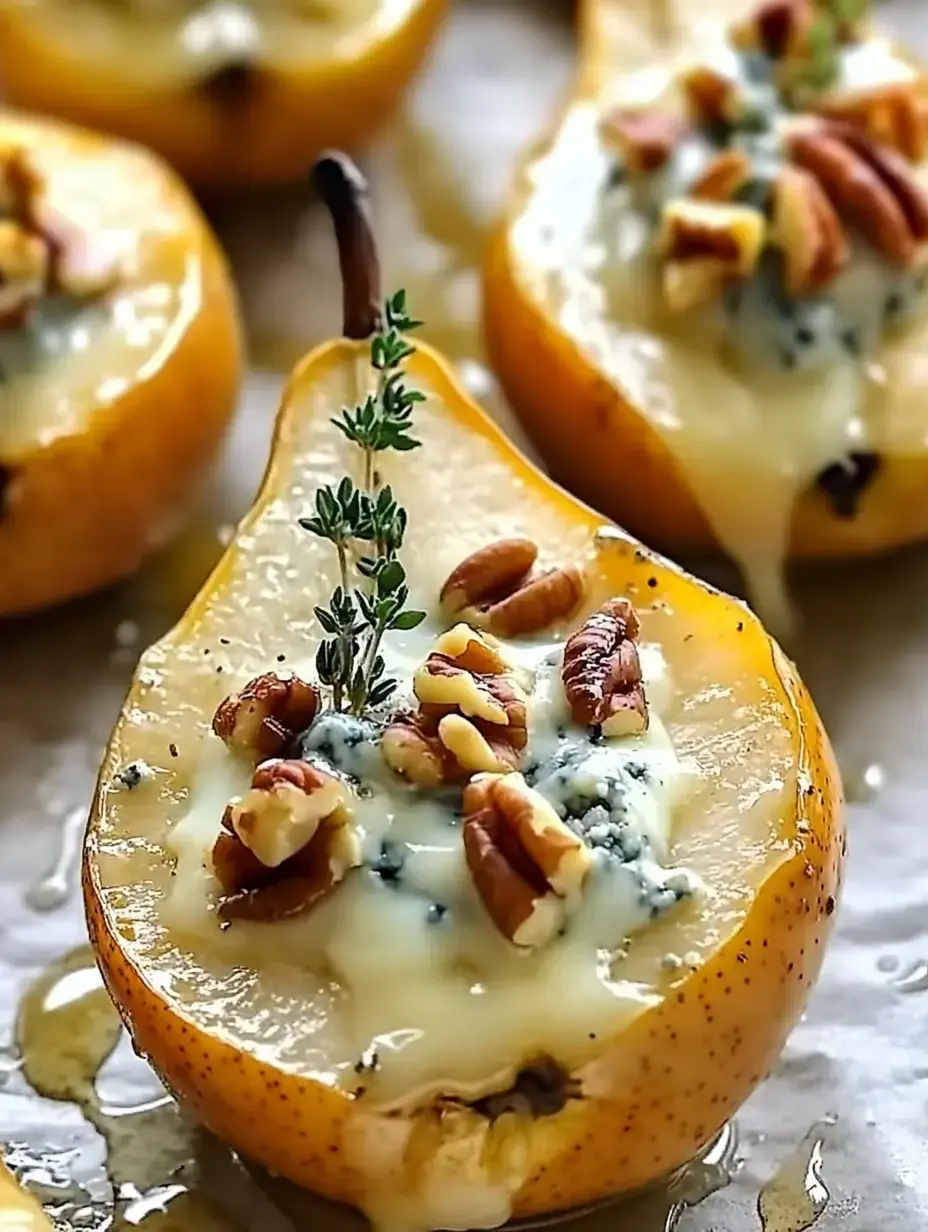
pixel 659 1090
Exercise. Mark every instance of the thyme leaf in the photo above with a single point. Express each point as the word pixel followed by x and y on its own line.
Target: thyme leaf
pixel 358 615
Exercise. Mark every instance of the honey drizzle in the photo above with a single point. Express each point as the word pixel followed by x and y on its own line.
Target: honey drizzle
pixel 173 1177
pixel 66 1030
pixel 796 1195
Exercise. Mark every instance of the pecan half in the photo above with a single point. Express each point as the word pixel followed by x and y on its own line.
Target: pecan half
pixel 527 866
pixel 265 717
pixel 282 810
pixel 285 845
pixel 297 886
pixel 706 244
pixel 725 175
pixel 440 680
pixel 538 603
pixel 602 674
pixel 644 139
pixel 893 115
pixel 808 230
pixel 500 567
pixel 872 186
pixel 494 703
pixel 495 589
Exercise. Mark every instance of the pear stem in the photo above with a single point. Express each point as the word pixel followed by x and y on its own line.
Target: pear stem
pixel 343 189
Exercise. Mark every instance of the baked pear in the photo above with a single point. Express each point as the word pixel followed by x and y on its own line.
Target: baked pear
pixel 120 354
pixel 707 298
pixel 231 94
pixel 19 1211
pixel 492 906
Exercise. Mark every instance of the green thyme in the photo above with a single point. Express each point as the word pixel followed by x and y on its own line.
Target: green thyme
pixel 383 420
pixel 847 12
pixel 366 526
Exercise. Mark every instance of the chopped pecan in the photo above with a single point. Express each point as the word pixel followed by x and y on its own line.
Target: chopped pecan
pixel 724 176
pixel 808 230
pixel 467 720
pixel 282 810
pixel 602 674
pixel 75 260
pixel 706 244
pixel 872 186
pixel 285 845
pixel 711 97
pixel 644 139
pixel 778 27
pixel 495 589
pixel 894 115
pixel 441 681
pixel 267 715
pixel 24 266
pixel 474 651
pixel 297 885
pixel 416 754
pixel 527 866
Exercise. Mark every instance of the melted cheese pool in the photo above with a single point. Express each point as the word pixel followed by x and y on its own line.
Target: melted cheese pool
pixel 754 398
pixel 438 1000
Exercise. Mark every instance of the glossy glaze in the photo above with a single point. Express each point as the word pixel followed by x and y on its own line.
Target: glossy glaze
pixel 111 407
pixel 770 858
pixel 683 446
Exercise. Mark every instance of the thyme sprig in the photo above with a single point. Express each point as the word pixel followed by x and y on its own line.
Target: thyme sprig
pixel 384 419
pixel 360 613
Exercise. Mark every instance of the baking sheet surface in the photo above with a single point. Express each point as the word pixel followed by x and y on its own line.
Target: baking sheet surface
pixel 852 1084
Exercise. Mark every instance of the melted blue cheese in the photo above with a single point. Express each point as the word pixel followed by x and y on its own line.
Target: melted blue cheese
pixel 756 394
pixel 439 1001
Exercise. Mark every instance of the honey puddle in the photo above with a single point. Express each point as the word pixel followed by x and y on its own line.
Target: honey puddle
pixel 170 1175
pixel 796 1195
pixel 166 1173
pixel 67 1030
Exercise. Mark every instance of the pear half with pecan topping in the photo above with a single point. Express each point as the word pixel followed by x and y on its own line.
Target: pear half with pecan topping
pixel 120 354
pixel 476 990
pixel 708 302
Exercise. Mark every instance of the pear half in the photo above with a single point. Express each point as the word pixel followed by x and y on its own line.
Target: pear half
pixel 263 1045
